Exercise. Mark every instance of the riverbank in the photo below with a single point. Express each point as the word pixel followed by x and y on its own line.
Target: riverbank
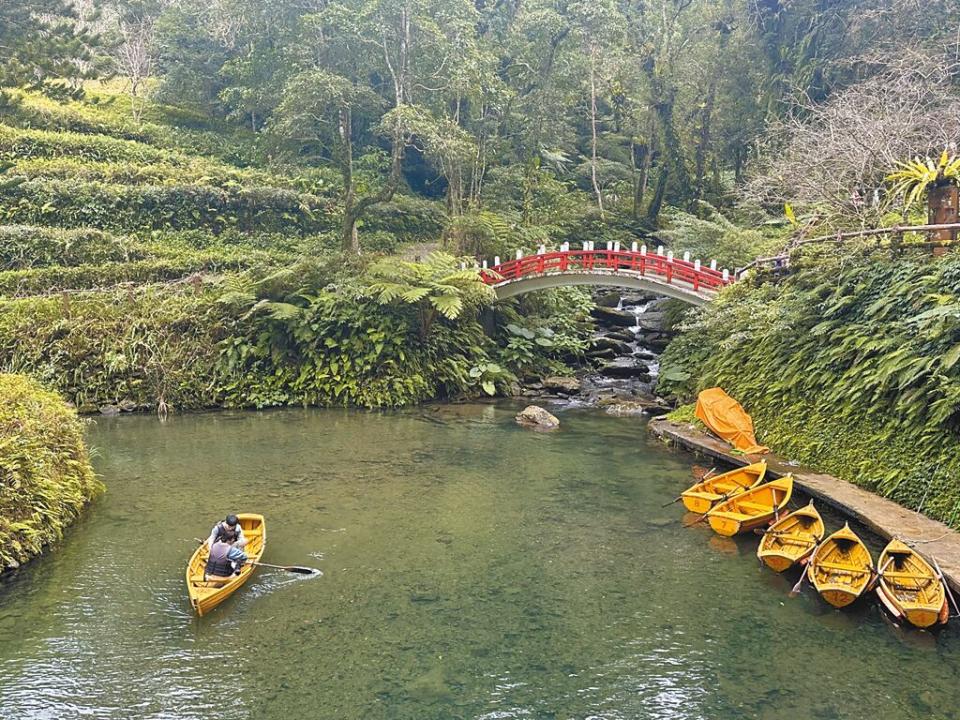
pixel 45 473
pixel 886 518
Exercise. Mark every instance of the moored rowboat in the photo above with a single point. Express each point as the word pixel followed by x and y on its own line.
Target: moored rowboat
pixel 841 568
pixel 204 596
pixel 701 497
pixel 909 588
pixel 791 539
pixel 751 508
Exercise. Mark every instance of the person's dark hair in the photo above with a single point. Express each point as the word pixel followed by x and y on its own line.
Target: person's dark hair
pixel 232 520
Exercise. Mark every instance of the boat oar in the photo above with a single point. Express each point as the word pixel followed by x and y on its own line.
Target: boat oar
pixel 946 585
pixel 795 590
pixel 678 498
pixel 878 574
pixel 289 568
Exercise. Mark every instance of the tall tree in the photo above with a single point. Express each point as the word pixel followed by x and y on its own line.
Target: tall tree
pixel 42 46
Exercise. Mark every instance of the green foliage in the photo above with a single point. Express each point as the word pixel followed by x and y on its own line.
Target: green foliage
pixel 141 345
pixel 712 236
pixel 851 364
pixel 45 472
pixel 912 178
pixel 293 344
pixel 435 287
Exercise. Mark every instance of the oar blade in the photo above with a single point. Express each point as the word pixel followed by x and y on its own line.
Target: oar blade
pixel 303 570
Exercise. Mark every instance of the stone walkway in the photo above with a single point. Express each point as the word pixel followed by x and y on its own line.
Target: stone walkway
pixel 886 518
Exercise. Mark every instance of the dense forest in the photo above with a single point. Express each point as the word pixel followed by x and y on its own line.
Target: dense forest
pixel 208 203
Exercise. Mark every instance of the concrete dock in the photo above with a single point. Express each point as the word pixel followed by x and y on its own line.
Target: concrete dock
pixel 930 538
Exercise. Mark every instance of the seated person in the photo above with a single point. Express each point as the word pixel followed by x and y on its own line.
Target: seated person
pixel 224 562
pixel 228 530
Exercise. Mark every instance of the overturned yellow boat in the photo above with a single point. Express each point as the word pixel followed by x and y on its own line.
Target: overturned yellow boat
pixel 205 596
pixel 752 508
pixel 841 568
pixel 909 588
pixel 791 539
pixel 705 494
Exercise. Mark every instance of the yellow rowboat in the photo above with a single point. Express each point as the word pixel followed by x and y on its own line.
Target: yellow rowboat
pixel 791 539
pixel 204 596
pixel 701 497
pixel 841 568
pixel 909 588
pixel 751 508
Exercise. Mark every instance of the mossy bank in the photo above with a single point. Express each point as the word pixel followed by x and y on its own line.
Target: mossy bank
pixel 45 473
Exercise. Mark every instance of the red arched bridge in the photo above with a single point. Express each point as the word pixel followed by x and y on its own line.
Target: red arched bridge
pixel 635 269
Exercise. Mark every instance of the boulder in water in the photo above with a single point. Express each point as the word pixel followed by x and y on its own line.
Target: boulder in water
pixel 610 316
pixel 605 354
pixel 610 299
pixel 534 416
pixel 608 343
pixel 561 384
pixel 626 368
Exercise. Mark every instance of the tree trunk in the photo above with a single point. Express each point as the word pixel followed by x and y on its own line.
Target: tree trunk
pixel 654 210
pixel 593 128
pixel 348 239
pixel 639 178
pixel 942 205
pixel 704 139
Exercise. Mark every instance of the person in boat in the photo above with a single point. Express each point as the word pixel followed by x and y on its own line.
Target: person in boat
pixel 224 561
pixel 228 530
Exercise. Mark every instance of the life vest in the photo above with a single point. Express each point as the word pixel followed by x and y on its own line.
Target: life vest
pixel 217 562
pixel 226 534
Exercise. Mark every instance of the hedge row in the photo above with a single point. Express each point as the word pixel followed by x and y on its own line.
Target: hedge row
pixel 197 171
pixel 21 144
pixel 67 203
pixel 24 283
pixel 25 247
pixel 28 246
pixel 45 472
pixel 164 126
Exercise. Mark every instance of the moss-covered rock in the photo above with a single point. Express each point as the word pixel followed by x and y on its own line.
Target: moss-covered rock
pixel 45 472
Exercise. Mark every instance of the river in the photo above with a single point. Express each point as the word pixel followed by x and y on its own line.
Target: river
pixel 471 569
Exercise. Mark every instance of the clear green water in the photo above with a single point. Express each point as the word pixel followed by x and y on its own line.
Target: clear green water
pixel 472 569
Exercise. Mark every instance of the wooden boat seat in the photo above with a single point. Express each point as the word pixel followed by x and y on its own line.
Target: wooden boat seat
pixel 755 507
pixel 844 568
pixel 908 575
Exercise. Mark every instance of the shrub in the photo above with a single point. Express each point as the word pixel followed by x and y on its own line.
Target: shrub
pixel 45 472
pixel 407 217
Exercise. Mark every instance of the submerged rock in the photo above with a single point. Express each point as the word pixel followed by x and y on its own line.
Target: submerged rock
pixel 632 408
pixel 536 417
pixel 561 384
pixel 109 410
